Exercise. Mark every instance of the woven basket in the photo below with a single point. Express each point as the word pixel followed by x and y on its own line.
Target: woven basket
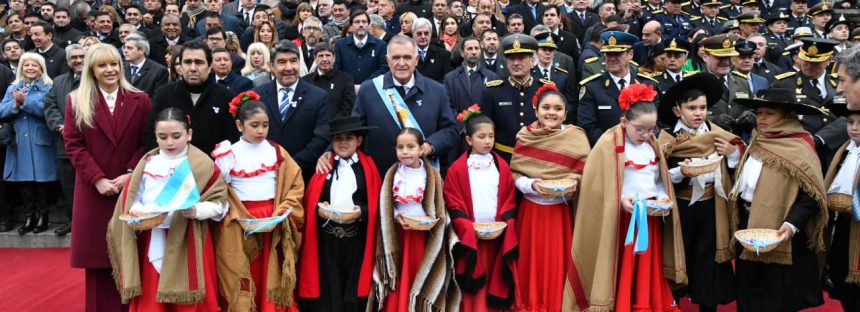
pixel 489 230
pixel 658 208
pixel 758 240
pixel 839 202
pixel 337 214
pixel 424 223
pixel 143 221
pixel 257 225
pixel 557 187
pixel 700 167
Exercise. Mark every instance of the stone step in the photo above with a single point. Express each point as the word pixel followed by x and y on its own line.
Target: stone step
pixel 46 239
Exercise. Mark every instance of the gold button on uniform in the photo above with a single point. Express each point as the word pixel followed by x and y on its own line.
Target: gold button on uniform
pixel 521 115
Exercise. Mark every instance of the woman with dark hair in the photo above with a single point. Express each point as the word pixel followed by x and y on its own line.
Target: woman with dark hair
pixel 103 133
pixel 450 32
pixel 173 64
pixel 301 13
pixel 656 62
pixel 695 62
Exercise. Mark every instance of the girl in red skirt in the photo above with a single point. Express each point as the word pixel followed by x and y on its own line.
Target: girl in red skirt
pixel 546 150
pixel 616 266
pixel 479 188
pixel 264 182
pixel 147 275
pixel 412 270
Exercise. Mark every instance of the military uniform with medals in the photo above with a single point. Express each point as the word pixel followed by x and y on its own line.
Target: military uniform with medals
pixel 598 94
pixel 508 102
pixel 814 50
pixel 666 79
pixel 674 26
pixel 735 84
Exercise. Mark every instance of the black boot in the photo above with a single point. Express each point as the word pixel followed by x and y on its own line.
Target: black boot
pixel 63 230
pixel 28 207
pixel 42 207
pixel 6 226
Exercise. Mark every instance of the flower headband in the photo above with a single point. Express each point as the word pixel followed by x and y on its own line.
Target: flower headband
pixel 468 113
pixel 545 88
pixel 635 93
pixel 242 98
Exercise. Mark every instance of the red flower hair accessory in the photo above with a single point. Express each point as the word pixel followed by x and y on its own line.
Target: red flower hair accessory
pixel 635 93
pixel 242 98
pixel 545 88
pixel 470 112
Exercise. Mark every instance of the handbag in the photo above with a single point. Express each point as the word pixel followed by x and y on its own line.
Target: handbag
pixel 7 133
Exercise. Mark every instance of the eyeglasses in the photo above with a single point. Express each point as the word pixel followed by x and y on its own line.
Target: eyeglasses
pixel 641 130
pixel 312 28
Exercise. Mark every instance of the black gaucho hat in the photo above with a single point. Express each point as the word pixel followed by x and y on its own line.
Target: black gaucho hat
pixel 707 82
pixel 344 124
pixel 840 108
pixel 779 98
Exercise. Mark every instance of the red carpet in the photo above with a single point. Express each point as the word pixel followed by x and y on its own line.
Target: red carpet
pixel 40 279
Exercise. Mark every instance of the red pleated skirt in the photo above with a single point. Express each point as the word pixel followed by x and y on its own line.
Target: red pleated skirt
pixel 641 285
pixel 413 246
pixel 488 250
pixel 545 234
pixel 260 264
pixel 149 277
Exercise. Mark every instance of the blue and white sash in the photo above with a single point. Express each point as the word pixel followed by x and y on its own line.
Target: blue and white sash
pixel 395 103
pixel 180 192
pixel 638 227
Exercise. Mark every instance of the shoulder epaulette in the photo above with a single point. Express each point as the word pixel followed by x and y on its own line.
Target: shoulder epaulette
pixel 590 78
pixel 495 83
pixel 722 18
pixel 834 75
pixel 685 12
pixel 646 76
pixel 695 18
pixel 634 63
pixel 739 74
pixel 690 73
pixel 786 53
pixel 833 83
pixel 726 6
pixel 560 69
pixel 685 3
pixel 660 11
pixel 591 59
pixel 784 75
pixel 546 81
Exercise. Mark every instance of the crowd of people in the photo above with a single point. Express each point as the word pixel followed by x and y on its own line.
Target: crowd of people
pixel 439 155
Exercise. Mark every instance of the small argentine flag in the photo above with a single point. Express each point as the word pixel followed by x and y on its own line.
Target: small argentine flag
pixel 181 191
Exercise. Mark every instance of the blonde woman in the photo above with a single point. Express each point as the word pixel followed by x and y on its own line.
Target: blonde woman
pixel 89 41
pixel 265 33
pixel 257 62
pixel 103 132
pixel 233 45
pixel 406 20
pixel 31 160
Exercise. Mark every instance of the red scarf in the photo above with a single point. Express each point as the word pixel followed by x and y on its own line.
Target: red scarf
pixel 309 271
pixel 470 273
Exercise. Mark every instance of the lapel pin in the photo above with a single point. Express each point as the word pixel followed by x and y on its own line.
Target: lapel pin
pixel 332 86
pixel 419 103
pixel 216 109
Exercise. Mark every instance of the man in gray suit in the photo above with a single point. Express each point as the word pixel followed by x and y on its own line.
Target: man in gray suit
pixel 55 112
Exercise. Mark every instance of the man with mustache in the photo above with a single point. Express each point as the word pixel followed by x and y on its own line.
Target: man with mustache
pixel 719 51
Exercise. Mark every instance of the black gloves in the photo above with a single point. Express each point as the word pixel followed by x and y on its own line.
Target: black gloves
pixel 725 121
pixel 747 121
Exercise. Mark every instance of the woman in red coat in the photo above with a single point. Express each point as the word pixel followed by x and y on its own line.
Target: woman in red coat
pixel 103 133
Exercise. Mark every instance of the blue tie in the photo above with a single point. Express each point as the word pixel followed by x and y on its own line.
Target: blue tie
pixel 534 11
pixel 284 106
pixel 422 54
pixel 133 70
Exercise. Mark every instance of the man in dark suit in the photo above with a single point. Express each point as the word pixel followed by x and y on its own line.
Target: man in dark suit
pixel 440 10
pixel 582 19
pixel 598 94
pixel 566 43
pixel 105 30
pixel 197 95
pixel 652 35
pixel 709 20
pixel 531 10
pixel 433 61
pixel 676 57
pixel 388 13
pixel 64 33
pixel 170 35
pixel 743 65
pixel 489 50
pixel 798 10
pixel 338 84
pixel 55 112
pixel 465 83
pixel 143 73
pixel 361 55
pixel 42 34
pixel 296 108
pixel 224 75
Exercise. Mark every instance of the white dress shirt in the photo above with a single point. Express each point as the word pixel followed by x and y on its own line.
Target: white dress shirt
pixel 484 182
pixel 675 173
pixel 110 98
pixel 843 183
pixel 615 79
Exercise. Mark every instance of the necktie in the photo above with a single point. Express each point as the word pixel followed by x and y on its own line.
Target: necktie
pixel 221 81
pixel 725 86
pixel 247 18
pixel 422 52
pixel 471 73
pixel 546 73
pixel 491 62
pixel 678 78
pixel 815 85
pixel 401 90
pixel 284 106
pixel 534 11
pixel 621 84
pixel 582 17
pixel 133 70
pixel 359 44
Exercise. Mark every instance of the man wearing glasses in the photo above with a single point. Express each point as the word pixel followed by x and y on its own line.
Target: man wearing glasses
pixel 360 55
pixel 312 33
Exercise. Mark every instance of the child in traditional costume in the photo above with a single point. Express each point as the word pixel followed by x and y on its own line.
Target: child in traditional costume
pixel 336 266
pixel 258 272
pixel 841 182
pixel 780 187
pixel 479 189
pixel 546 150
pixel 701 198
pixel 413 264
pixel 626 168
pixel 181 183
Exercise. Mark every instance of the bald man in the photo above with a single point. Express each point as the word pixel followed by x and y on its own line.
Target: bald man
pixel 652 33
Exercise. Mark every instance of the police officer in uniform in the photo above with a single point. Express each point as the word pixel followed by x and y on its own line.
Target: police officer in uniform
pixel 801 20
pixel 777 34
pixel 813 83
pixel 675 22
pixel 676 56
pixel 720 49
pixel 750 22
pixel 549 70
pixel 592 65
pixel 710 19
pixel 508 101
pixel 818 9
pixel 598 94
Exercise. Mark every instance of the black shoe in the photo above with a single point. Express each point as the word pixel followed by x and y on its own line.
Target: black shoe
pixel 42 225
pixel 63 230
pixel 29 225
pixel 5 227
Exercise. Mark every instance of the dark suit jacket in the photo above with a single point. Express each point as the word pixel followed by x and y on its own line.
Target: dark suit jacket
pixel 299 133
pixel 55 60
pixel 159 43
pixel 429 104
pixel 149 77
pixel 568 44
pixel 236 83
pixel 811 123
pixel 210 117
pixel 362 64
pixel 578 27
pixel 55 108
pixel 340 87
pixel 436 63
pixel 464 92
pixel 529 20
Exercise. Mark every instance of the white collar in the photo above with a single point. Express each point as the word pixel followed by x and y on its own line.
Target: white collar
pixel 292 86
pixel 46 50
pixel 616 78
pixel 680 125
pixel 106 94
pixel 475 68
pixel 673 74
pixel 139 65
pixel 362 41
pixel 351 160
pixel 410 84
pixel 853 147
pixel 541 68
pixel 491 57
pixel 219 77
